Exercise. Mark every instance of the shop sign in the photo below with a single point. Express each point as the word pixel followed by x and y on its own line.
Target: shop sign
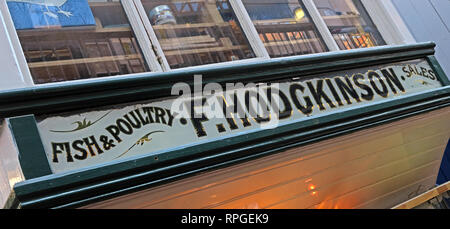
pixel 75 141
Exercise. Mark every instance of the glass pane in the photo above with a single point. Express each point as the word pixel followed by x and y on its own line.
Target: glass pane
pixel 76 39
pixel 197 32
pixel 349 23
pixel 285 27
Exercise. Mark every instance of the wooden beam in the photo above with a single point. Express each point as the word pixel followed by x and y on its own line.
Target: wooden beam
pixel 187 26
pixel 83 60
pixel 418 200
pixel 203 50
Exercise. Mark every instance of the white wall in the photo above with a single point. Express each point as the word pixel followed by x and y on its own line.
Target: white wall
pixel 11 75
pixel 429 20
pixel 10 170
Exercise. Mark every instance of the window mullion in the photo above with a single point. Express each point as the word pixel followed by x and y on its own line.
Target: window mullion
pixel 155 45
pixel 388 22
pixel 140 32
pixel 321 25
pixel 249 29
pixel 25 73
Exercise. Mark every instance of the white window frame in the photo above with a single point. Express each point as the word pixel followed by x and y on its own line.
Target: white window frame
pixel 146 26
pixel 382 12
pixel 244 20
pixel 24 70
pixel 384 15
pixel 388 22
pixel 321 26
pixel 143 40
pixel 249 29
pixel 135 24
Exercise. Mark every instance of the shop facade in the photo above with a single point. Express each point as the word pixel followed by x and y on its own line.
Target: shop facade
pixel 218 104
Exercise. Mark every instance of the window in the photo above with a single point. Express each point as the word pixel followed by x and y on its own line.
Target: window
pixel 76 40
pixel 285 27
pixel 349 23
pixel 197 32
pixel 79 39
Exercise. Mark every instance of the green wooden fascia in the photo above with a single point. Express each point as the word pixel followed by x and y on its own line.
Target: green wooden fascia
pixel 80 187
pixel 84 186
pixel 434 64
pixel 32 157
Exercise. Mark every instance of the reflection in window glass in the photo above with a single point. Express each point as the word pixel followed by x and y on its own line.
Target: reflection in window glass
pixel 75 39
pixel 197 32
pixel 285 27
pixel 349 23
